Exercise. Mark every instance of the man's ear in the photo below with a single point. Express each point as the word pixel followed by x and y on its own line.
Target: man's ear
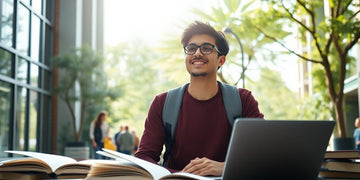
pixel 222 60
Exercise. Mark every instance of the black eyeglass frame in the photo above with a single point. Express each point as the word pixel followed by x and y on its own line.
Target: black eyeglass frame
pixel 199 46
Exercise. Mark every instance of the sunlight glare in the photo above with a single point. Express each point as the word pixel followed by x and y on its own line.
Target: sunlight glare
pixel 147 19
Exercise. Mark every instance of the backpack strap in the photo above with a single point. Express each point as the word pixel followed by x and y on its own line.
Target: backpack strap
pixel 170 113
pixel 233 108
pixel 173 103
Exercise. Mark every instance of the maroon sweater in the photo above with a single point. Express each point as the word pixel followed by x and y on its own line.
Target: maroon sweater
pixel 202 129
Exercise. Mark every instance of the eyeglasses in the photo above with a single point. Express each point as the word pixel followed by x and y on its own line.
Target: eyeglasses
pixel 205 49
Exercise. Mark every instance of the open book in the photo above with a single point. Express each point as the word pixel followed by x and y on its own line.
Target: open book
pixel 53 166
pixel 135 169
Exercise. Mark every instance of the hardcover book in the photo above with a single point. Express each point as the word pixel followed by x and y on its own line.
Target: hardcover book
pixel 342 154
pixel 54 166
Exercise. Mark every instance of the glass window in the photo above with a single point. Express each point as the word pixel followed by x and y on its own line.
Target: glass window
pixel 36 5
pixel 47 80
pixel 22 70
pixel 45 121
pixel 34 110
pixel 19 135
pixel 34 75
pixel 46 104
pixel 6 62
pixel 48 45
pixel 5 104
pixel 27 63
pixel 35 38
pixel 6 22
pixel 49 10
pixel 22 43
pixel 26 2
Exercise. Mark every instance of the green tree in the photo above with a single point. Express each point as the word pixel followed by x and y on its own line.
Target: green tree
pixel 320 107
pixel 171 59
pixel 82 67
pixel 238 15
pixel 257 49
pixel 332 37
pixel 132 66
pixel 266 91
pixel 235 14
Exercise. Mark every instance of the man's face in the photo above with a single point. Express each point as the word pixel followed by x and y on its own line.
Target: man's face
pixel 199 64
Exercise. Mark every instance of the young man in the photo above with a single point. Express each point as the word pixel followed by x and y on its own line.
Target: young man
pixel 203 131
pixel 126 141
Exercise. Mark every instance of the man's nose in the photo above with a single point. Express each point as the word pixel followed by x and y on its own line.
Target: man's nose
pixel 198 52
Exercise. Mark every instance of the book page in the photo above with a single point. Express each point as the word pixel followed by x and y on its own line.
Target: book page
pixel 183 175
pixel 80 167
pixel 118 169
pixel 25 164
pixel 155 170
pixel 54 161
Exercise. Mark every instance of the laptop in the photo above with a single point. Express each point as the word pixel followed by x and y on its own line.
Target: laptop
pixel 276 149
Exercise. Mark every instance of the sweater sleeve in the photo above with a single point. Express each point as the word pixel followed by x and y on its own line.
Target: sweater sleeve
pixel 249 105
pixel 153 138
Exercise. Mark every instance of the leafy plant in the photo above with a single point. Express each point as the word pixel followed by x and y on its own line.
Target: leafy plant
pixel 82 81
pixel 333 34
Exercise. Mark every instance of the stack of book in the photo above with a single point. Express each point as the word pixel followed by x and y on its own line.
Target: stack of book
pixel 343 164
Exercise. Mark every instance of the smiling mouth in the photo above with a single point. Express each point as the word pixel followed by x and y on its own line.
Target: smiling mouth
pixel 198 62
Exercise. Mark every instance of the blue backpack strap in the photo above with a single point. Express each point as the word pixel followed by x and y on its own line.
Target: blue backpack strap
pixel 232 101
pixel 170 114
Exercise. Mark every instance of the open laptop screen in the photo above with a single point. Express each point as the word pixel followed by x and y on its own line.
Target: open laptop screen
pixel 276 149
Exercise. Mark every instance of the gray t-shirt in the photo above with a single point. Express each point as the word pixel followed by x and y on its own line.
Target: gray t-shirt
pixel 126 141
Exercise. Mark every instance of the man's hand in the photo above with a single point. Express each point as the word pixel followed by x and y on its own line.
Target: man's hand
pixel 204 167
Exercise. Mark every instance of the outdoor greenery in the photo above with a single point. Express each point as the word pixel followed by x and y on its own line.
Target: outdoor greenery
pixel 82 81
pixel 258 56
pixel 333 32
pixel 140 71
pixel 266 90
pixel 131 66
pixel 238 16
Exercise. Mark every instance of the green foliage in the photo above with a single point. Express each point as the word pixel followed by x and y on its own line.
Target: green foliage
pixel 333 29
pixel 171 60
pixel 276 101
pixel 316 107
pixel 82 68
pixel 133 66
pixel 5 63
pixel 239 17
pixel 143 72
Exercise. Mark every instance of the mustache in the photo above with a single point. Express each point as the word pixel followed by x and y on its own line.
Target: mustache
pixel 197 59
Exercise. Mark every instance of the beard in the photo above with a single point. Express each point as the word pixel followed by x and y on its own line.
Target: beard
pixel 199 74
